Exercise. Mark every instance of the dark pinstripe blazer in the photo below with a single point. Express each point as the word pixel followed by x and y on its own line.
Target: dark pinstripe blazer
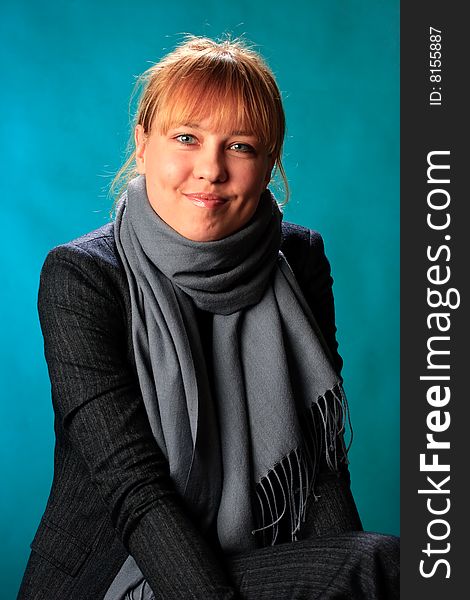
pixel 111 494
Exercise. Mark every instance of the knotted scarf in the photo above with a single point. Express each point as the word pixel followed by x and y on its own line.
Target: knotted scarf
pixel 244 434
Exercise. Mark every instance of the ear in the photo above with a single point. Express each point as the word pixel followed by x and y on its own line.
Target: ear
pixel 269 170
pixel 140 139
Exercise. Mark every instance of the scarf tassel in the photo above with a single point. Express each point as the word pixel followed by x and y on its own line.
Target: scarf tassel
pixel 283 494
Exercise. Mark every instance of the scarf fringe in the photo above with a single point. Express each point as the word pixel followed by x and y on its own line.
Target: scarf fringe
pixel 283 493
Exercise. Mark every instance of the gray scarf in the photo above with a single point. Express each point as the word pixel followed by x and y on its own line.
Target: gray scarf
pixel 243 444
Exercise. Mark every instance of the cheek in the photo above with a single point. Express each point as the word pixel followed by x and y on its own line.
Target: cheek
pixel 174 171
pixel 165 174
pixel 254 179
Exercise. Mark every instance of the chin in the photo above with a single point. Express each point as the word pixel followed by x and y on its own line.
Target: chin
pixel 208 232
pixel 206 235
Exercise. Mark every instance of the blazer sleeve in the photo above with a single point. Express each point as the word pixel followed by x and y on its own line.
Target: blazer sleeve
pixel 333 509
pixel 318 289
pixel 98 405
pixel 305 252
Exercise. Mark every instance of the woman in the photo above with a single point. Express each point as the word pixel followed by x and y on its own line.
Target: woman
pixel 194 368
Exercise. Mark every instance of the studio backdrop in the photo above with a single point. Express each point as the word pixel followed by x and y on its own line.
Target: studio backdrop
pixel 68 69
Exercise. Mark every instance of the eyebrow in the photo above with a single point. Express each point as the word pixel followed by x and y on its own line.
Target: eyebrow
pixel 234 132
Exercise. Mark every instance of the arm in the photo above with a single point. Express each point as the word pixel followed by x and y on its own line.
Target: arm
pixel 335 510
pixel 98 406
pixel 317 285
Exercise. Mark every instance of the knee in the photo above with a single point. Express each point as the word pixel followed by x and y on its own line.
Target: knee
pixel 380 561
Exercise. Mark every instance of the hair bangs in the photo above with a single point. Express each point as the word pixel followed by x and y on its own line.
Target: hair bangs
pixel 224 98
pixel 225 82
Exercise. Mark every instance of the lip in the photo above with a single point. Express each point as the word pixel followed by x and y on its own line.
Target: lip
pixel 206 200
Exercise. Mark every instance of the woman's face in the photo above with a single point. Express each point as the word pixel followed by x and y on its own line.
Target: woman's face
pixel 203 183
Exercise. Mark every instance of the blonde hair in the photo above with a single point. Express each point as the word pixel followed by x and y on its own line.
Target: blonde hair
pixel 225 80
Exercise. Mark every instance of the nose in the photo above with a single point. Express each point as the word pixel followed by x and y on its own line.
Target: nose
pixel 210 164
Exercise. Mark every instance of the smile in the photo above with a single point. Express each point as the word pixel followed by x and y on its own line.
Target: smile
pixel 206 200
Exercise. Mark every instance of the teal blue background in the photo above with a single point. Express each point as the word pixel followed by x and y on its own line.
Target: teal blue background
pixel 67 72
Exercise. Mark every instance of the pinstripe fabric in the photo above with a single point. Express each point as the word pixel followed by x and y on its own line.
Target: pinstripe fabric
pixel 111 494
pixel 348 566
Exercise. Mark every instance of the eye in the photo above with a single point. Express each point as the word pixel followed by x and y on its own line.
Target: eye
pixel 186 138
pixel 239 147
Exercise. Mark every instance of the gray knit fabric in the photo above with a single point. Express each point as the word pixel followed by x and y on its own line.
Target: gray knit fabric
pixel 260 328
pixel 243 448
pixel 129 584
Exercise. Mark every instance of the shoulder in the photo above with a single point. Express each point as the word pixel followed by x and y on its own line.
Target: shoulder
pixel 97 245
pixel 301 245
pixel 90 260
pixel 297 238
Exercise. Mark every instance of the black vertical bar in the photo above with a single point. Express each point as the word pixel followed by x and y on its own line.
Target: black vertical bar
pixel 435 356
